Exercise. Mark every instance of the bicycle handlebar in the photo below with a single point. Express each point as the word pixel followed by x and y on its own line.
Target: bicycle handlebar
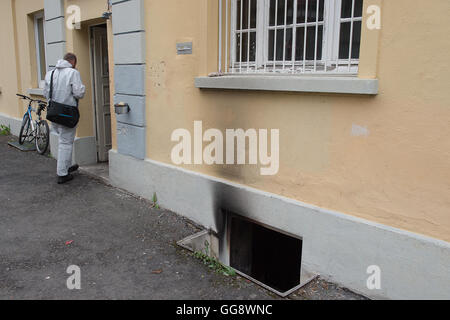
pixel 22 96
pixel 30 99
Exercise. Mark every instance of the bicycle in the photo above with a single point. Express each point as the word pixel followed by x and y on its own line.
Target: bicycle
pixel 35 130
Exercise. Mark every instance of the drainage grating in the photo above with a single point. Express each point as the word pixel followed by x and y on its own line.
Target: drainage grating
pixel 27 146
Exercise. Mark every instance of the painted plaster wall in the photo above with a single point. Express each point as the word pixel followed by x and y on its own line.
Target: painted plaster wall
pixel 8 63
pixel 18 62
pixel 384 158
pixel 17 57
pixel 90 9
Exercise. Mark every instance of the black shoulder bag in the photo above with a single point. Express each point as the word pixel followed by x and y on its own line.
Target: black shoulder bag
pixel 61 113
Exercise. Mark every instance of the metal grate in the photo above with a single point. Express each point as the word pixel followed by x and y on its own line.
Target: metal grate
pixel 289 36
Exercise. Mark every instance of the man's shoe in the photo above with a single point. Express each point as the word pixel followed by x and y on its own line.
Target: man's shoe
pixel 62 180
pixel 74 168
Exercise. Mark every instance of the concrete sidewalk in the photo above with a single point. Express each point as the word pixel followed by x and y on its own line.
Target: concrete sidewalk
pixel 125 248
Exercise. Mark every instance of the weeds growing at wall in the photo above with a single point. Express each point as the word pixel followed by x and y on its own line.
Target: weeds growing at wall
pixel 5 130
pixel 155 201
pixel 213 263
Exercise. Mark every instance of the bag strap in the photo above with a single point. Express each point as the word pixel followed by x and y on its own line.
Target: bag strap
pixel 51 86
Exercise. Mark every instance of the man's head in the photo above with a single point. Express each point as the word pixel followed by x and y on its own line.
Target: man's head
pixel 71 58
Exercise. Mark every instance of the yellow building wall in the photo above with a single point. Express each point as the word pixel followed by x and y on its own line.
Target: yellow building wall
pixel 398 175
pixel 18 53
pixel 90 9
pixel 8 62
pixel 18 56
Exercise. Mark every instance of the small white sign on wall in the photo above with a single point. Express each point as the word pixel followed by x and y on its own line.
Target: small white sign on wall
pixel 184 48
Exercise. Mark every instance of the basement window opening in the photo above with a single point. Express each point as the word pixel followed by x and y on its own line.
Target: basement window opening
pixel 265 256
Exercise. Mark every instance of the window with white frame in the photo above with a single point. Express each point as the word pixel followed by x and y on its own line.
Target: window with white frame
pixel 39 38
pixel 293 36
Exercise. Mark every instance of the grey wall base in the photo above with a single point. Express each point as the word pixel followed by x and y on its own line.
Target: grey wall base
pixel 339 247
pixel 13 123
pixel 84 150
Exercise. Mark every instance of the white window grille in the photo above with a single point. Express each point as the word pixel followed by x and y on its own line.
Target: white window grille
pixel 289 36
pixel 39 38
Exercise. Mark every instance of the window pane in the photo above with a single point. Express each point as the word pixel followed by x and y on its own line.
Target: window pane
pixel 251 53
pixel 290 12
pixel 238 47
pixel 281 12
pixel 252 47
pixel 288 47
pixel 344 43
pixel 279 45
pixel 253 14
pixel 41 46
pixel 358 8
pixel 277 9
pixel 346 10
pixel 344 40
pixel 299 41
pixel 245 50
pixel 311 51
pixel 245 14
pixel 244 47
pixel 246 5
pixel 356 39
pixel 310 43
pixel 301 9
pixel 246 11
pixel 286 50
pixel 239 4
pixel 312 10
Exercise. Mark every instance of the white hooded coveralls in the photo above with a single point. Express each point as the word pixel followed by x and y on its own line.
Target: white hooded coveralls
pixel 67 89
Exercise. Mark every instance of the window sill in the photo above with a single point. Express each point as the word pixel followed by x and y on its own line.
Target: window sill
pixel 36 92
pixel 318 84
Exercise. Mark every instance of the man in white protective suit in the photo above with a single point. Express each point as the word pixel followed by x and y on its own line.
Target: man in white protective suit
pixel 67 89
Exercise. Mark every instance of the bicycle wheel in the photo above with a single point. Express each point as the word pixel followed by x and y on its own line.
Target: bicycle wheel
pixel 24 130
pixel 42 136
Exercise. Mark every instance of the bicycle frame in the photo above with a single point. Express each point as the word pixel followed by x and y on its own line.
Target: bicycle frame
pixel 30 109
pixel 28 114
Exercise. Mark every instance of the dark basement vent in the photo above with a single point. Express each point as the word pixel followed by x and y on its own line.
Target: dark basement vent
pixel 271 258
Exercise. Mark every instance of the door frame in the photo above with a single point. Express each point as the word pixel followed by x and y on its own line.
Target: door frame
pixel 93 82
